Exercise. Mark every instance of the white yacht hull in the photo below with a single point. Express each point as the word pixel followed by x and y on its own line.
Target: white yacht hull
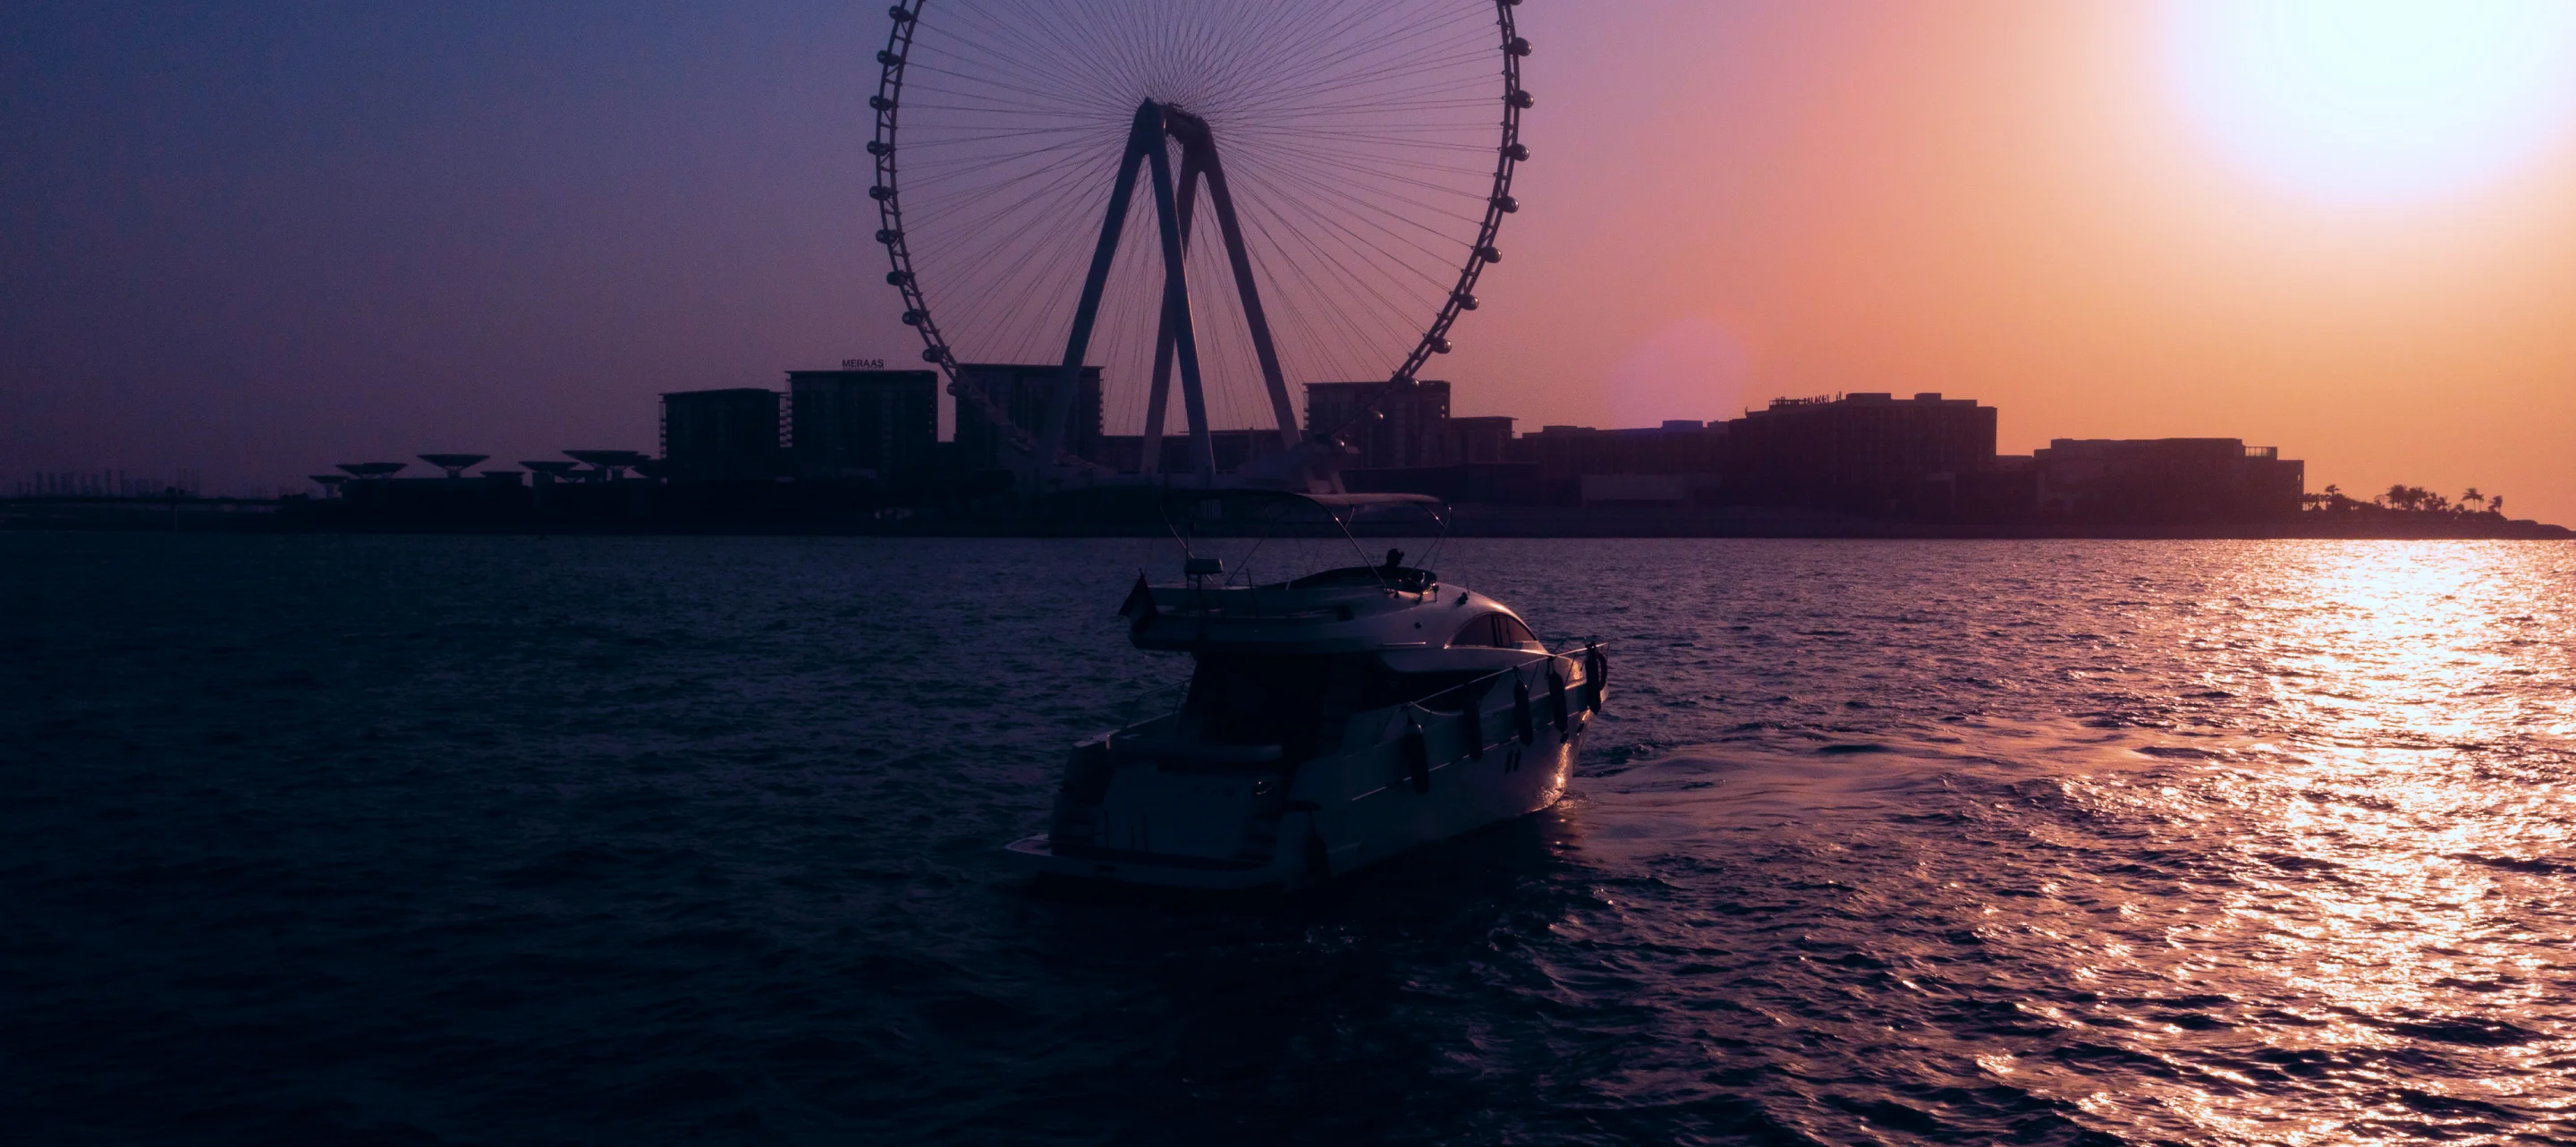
pixel 1129 815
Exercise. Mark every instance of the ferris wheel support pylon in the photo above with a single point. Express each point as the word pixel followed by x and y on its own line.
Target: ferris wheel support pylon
pixel 1176 289
pixel 1175 202
pixel 1158 400
pixel 1050 442
pixel 1196 140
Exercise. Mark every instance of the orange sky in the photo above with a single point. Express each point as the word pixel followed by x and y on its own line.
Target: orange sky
pixel 2003 200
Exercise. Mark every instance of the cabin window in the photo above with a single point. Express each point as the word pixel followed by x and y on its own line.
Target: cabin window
pixel 1498 630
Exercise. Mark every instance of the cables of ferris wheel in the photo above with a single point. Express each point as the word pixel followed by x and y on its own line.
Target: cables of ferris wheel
pixel 1247 49
pixel 1318 190
pixel 988 207
pixel 1346 326
pixel 1360 244
pixel 1361 169
pixel 1281 54
pixel 1053 54
pixel 1369 147
pixel 1133 34
pixel 1359 173
pixel 996 307
pixel 1304 232
pixel 967 83
pixel 1049 78
pixel 1362 207
pixel 1375 318
pixel 1289 320
pixel 997 297
pixel 1457 54
pixel 1424 93
pixel 1447 135
pixel 921 174
pixel 1354 47
pixel 973 58
pixel 1386 256
pixel 978 249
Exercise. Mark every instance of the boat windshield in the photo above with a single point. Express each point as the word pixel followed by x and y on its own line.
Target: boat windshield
pixel 1499 630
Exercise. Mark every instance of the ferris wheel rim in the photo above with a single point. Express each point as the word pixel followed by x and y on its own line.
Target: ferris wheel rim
pixel 886 191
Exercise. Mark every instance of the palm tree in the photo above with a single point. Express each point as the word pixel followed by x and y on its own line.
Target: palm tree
pixel 2471 495
pixel 2495 505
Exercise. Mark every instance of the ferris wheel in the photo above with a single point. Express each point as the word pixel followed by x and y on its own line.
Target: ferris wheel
pixel 1046 173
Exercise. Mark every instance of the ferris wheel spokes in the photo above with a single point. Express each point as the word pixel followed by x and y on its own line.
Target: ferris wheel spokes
pixel 1354 244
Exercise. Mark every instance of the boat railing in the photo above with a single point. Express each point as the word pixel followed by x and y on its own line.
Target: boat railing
pixel 1127 719
pixel 1473 690
pixel 1273 602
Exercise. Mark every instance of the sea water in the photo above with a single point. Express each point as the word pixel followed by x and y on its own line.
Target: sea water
pixel 528 840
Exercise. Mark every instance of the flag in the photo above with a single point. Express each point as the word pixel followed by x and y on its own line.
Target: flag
pixel 1140 604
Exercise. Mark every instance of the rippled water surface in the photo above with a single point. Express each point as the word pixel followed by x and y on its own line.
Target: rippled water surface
pixel 544 841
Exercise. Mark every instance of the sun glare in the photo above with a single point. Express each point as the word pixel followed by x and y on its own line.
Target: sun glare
pixel 2378 101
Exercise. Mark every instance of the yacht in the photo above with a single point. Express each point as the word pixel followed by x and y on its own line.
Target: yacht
pixel 1330 722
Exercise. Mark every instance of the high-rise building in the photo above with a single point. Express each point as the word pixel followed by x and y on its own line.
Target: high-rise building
pixel 1024 391
pixel 861 423
pixel 720 435
pixel 1409 426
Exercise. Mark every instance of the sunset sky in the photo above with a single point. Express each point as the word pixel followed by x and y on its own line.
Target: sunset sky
pixel 261 238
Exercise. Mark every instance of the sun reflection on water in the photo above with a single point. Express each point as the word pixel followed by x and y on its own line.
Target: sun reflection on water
pixel 2383 875
pixel 2255 842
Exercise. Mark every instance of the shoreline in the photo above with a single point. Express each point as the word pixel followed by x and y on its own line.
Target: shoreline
pixel 1468 521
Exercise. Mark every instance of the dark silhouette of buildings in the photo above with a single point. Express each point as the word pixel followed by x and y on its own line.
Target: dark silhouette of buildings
pixel 855 446
pixel 1125 453
pixel 1565 456
pixel 1410 426
pixel 1024 391
pixel 1482 438
pixel 720 435
pixel 1927 457
pixel 862 423
pixel 1869 453
pixel 2167 480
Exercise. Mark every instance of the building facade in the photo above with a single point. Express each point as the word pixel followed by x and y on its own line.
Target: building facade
pixel 2167 480
pixel 1233 449
pixel 861 423
pixel 1409 427
pixel 1024 391
pixel 1566 453
pixel 1483 438
pixel 1870 453
pixel 720 435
